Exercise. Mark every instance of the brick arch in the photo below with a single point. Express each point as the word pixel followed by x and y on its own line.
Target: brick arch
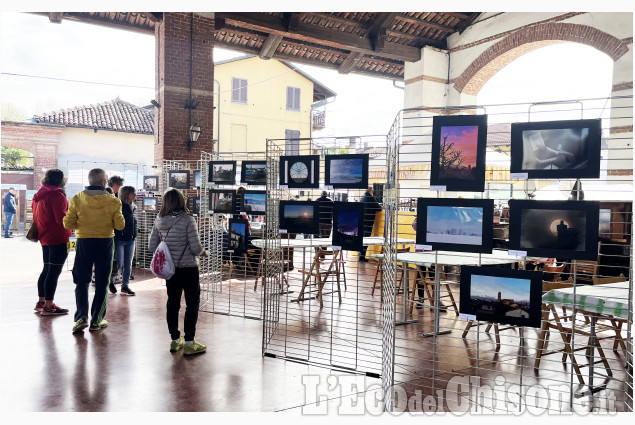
pixel 530 38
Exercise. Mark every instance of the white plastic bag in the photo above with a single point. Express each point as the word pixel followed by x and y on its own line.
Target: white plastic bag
pixel 162 265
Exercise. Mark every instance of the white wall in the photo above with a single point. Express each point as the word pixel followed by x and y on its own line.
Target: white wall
pixel 129 155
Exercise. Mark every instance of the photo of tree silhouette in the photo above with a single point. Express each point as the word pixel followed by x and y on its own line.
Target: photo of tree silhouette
pixel 458 152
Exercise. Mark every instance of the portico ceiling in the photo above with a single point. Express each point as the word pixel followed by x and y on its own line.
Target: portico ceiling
pixel 371 43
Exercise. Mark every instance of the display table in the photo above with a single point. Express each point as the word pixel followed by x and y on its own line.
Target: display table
pixel 609 299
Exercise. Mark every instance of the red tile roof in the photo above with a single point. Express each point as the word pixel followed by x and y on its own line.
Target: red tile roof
pixel 115 115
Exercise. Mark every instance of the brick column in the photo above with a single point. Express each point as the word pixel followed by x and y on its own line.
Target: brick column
pixel 175 52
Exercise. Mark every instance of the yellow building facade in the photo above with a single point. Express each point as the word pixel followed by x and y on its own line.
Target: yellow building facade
pixel 261 99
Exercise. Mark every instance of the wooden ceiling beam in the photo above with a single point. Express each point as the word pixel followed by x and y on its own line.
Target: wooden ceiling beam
pixel 336 19
pixel 419 41
pixel 350 62
pixel 270 46
pixel 466 23
pixel 428 24
pixel 321 36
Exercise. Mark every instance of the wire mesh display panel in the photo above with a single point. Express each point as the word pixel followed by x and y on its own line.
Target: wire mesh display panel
pixel 190 176
pixel 237 270
pixel 580 357
pixel 324 308
pixel 77 172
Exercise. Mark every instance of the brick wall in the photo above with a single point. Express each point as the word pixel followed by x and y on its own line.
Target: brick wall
pixel 40 140
pixel 529 38
pixel 172 120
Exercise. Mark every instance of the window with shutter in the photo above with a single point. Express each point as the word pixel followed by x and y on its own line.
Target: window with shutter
pixel 239 90
pixel 292 146
pixel 293 98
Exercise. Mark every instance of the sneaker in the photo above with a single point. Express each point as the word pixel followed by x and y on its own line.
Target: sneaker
pixel 98 326
pixel 80 325
pixel 194 348
pixel 131 277
pixel 177 344
pixel 112 288
pixel 127 291
pixel 53 310
pixel 39 306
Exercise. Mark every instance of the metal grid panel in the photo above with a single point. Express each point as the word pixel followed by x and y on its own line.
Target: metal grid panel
pixel 341 334
pixel 236 275
pixel 441 364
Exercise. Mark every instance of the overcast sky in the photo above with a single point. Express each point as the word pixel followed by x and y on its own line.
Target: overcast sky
pixel 106 63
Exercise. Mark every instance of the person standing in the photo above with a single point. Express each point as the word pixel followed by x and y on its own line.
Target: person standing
pixel 177 228
pixel 325 214
pixel 9 211
pixel 49 207
pixel 114 184
pixel 125 239
pixel 371 206
pixel 94 214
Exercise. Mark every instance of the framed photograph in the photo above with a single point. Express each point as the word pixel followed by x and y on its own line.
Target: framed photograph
pixel 151 183
pixel 238 234
pixel 254 172
pixel 299 217
pixel 221 201
pixel 557 149
pixel 507 296
pixel 346 171
pixel 254 202
pixel 348 225
pixel 300 172
pixel 464 225
pixel 556 229
pixel 195 206
pixel 150 204
pixel 197 179
pixel 222 172
pixel 458 152
pixel 179 179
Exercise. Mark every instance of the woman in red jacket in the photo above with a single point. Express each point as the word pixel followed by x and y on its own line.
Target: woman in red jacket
pixel 49 208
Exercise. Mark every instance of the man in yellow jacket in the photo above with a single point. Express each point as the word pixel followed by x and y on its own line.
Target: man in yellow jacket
pixel 94 213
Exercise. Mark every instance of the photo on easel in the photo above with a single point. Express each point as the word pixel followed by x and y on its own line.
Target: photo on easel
pixel 557 149
pixel 346 171
pixel 222 172
pixel 299 217
pixel 238 234
pixel 179 179
pixel 221 201
pixel 253 172
pixel 300 172
pixel 459 145
pixel 348 225
pixel 464 225
pixel 555 229
pixel 151 183
pixel 505 296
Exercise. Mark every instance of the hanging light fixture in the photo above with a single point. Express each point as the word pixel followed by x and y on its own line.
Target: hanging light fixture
pixel 194 132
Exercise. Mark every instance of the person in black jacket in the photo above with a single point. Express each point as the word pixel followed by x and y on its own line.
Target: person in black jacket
pixel 125 239
pixel 371 206
pixel 325 214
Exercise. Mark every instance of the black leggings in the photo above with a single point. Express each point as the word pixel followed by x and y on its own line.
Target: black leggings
pixel 53 257
pixel 185 280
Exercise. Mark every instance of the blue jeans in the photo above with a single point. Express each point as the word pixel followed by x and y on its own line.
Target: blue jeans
pixel 7 223
pixel 124 250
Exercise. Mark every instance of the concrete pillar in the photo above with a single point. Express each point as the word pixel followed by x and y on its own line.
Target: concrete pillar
pixel 620 138
pixel 184 39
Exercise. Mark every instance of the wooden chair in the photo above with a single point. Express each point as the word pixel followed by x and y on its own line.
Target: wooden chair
pixel 584 270
pixel 380 269
pixel 497 331
pixel 423 278
pixel 552 321
pixel 326 263
pixel 616 324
